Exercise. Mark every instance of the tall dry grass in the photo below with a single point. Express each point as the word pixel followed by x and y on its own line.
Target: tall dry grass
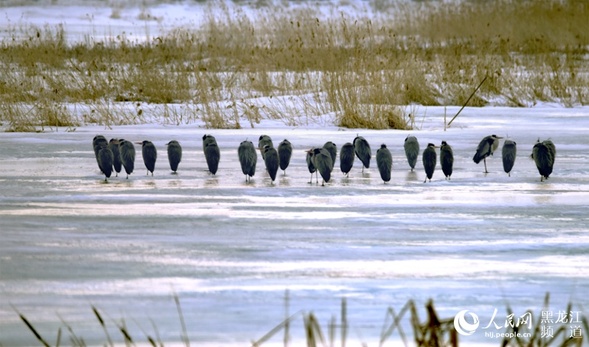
pixel 364 66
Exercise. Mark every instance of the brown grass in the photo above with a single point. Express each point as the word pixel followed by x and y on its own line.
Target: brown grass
pixel 363 67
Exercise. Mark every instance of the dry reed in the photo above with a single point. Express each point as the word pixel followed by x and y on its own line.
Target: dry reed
pixel 364 67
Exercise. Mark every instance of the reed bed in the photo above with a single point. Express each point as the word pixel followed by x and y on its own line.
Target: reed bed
pixel 363 66
pixel 406 323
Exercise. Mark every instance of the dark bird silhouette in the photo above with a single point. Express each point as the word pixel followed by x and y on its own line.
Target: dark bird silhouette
pixel 323 163
pixel 271 160
pixel 98 142
pixel 411 147
pixel 332 149
pixel 264 141
pixel 362 150
pixel 508 152
pixel 384 161
pixel 212 156
pixel 346 158
pixel 544 154
pixel 284 154
pixel 149 154
pixel 429 161
pixel 446 159
pixel 486 147
pixel 174 155
pixel 247 158
pixel 310 164
pixel 113 145
pixel 105 161
pixel 127 152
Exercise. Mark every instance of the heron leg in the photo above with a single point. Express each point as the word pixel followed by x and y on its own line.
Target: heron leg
pixel 485 162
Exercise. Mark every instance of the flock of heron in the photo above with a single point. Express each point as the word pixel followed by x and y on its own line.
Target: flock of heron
pixel 116 154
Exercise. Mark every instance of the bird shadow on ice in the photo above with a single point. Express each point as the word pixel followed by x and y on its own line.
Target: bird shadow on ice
pixel 411 176
pixel 284 181
pixel 212 182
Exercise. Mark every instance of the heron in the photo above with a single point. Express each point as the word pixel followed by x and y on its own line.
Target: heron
pixel 322 162
pixel 271 160
pixel 332 149
pixel 247 158
pixel 429 161
pixel 105 161
pixel 174 155
pixel 508 152
pixel 346 158
pixel 127 151
pixel 310 164
pixel 486 147
pixel 97 143
pixel 411 147
pixel 544 154
pixel 284 154
pixel 446 159
pixel 263 141
pixel 384 161
pixel 362 150
pixel 113 145
pixel 212 156
pixel 149 154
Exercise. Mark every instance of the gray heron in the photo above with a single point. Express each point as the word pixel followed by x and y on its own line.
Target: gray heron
pixel 544 154
pixel 322 162
pixel 429 161
pixel 346 158
pixel 411 147
pixel 174 155
pixel 486 147
pixel 384 161
pixel 271 160
pixel 97 143
pixel 332 149
pixel 149 153
pixel 362 150
pixel 446 159
pixel 284 154
pixel 113 145
pixel 212 156
pixel 508 154
pixel 105 161
pixel 247 158
pixel 127 151
pixel 264 141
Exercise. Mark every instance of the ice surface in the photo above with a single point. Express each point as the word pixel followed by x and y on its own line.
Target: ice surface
pixel 231 249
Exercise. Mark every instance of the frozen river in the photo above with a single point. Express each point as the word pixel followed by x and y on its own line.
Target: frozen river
pixel 230 249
